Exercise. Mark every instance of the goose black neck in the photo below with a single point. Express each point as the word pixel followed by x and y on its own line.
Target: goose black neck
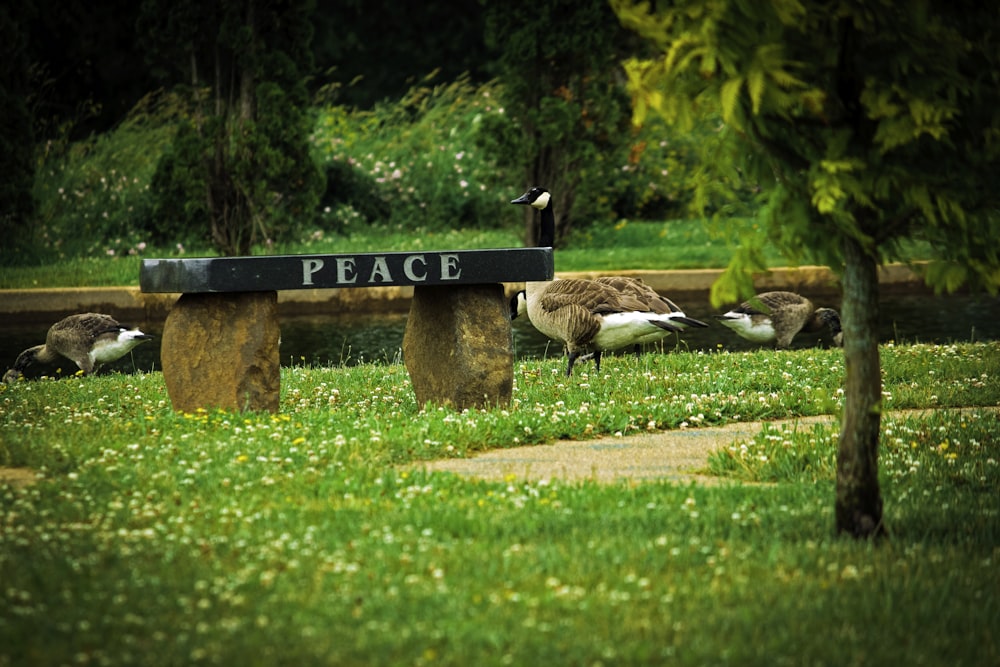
pixel 547 229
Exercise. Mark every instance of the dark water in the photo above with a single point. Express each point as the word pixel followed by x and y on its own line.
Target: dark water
pixel 352 339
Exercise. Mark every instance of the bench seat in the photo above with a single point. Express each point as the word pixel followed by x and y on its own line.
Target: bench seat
pixel 220 339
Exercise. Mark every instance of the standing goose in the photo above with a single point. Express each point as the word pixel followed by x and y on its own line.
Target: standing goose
pixel 778 316
pixel 637 288
pixel 585 315
pixel 88 339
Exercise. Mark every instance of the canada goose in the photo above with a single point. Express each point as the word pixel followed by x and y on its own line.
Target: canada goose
pixel 88 339
pixel 585 315
pixel 778 316
pixel 637 288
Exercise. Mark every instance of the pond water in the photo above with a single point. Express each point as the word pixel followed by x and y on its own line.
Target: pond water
pixel 351 338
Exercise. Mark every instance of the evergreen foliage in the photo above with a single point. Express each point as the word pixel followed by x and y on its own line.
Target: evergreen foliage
pixel 567 122
pixel 241 166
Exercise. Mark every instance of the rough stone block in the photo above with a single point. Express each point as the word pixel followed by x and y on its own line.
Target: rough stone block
pixel 221 351
pixel 458 346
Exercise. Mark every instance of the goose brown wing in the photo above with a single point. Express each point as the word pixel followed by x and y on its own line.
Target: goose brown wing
pixel 77 333
pixel 579 325
pixel 592 296
pixel 96 324
pixel 775 300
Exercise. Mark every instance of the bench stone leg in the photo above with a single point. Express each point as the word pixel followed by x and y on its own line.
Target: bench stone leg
pixel 221 351
pixel 458 346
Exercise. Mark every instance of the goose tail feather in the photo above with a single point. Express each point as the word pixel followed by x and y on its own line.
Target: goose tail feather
pixel 690 321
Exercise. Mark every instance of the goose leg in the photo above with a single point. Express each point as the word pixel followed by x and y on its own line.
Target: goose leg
pixel 572 359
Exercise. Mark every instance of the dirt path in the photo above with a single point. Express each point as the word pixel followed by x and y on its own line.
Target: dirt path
pixel 17 477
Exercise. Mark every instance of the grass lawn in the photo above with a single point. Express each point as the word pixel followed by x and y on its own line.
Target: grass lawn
pixel 153 537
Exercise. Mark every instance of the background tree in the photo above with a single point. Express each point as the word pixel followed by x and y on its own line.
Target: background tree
pixel 566 111
pixel 868 124
pixel 241 163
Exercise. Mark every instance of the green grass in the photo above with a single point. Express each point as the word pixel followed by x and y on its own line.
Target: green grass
pixel 674 244
pixel 154 537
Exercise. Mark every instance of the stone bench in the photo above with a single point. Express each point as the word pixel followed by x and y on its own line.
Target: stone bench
pixel 220 340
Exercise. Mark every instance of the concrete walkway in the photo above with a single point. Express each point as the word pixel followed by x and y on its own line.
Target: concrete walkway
pixel 679 455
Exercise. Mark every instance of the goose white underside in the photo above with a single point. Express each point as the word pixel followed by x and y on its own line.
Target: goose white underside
pixel 620 330
pixel 108 350
pixel 760 331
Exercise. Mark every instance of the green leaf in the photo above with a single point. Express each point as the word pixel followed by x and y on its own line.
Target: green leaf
pixel 729 96
pixel 756 81
pixel 947 276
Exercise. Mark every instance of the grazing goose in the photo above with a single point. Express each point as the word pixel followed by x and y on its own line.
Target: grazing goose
pixel 88 339
pixel 778 316
pixel 585 315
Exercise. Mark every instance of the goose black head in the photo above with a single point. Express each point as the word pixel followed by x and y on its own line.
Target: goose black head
pixel 540 198
pixel 831 319
pixel 536 197
pixel 518 304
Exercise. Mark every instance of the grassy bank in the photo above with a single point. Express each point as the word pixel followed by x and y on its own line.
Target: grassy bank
pixel 154 537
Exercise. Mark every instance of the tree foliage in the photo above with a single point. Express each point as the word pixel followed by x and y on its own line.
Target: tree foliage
pixel 875 121
pixel 868 123
pixel 240 166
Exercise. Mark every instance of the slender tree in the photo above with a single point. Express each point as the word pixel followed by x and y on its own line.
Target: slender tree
pixel 874 122
pixel 242 163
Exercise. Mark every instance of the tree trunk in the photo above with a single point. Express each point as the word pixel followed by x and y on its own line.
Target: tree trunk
pixel 859 502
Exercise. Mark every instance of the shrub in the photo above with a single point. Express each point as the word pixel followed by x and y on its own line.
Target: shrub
pixel 415 162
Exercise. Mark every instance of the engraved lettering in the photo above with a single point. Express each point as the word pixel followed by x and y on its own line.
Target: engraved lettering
pixel 381 270
pixel 408 267
pixel 309 267
pixel 345 270
pixel 449 267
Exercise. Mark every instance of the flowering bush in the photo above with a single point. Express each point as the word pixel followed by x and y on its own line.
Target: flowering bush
pixel 415 162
